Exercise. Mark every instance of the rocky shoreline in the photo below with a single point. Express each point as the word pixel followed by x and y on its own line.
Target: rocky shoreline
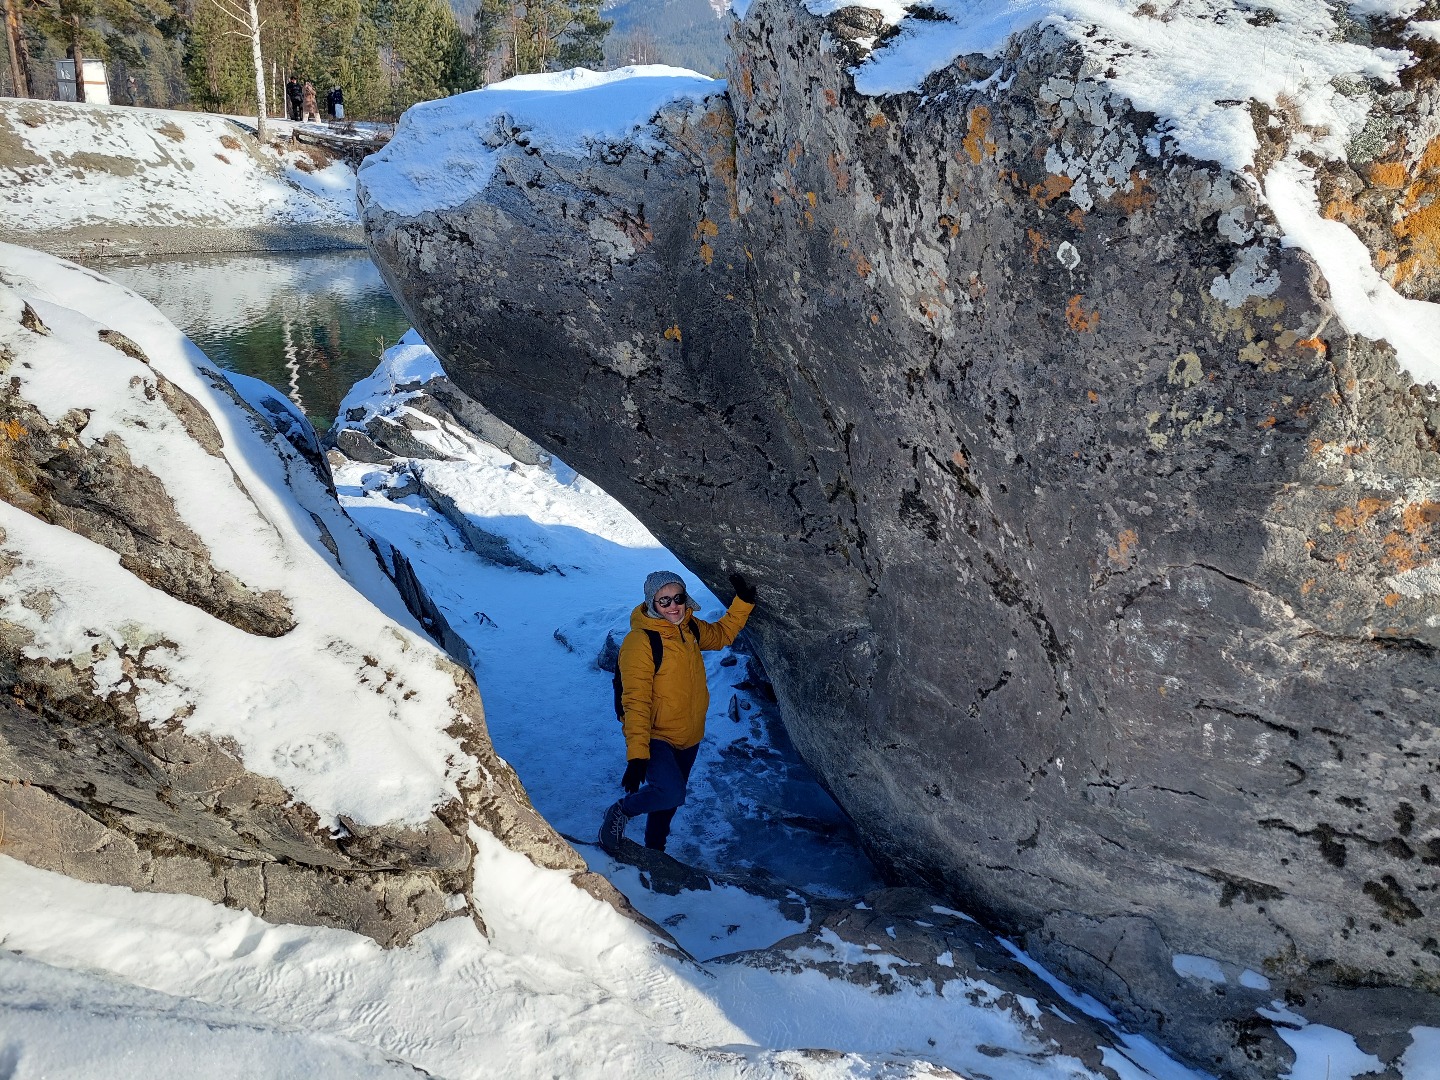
pixel 129 241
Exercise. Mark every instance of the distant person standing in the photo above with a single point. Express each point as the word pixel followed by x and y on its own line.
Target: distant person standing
pixel 294 95
pixel 337 103
pixel 309 110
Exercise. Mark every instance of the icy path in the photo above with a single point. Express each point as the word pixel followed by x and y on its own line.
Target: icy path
pixel 534 639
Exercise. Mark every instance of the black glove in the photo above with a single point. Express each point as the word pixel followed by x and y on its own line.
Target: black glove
pixel 634 774
pixel 743 589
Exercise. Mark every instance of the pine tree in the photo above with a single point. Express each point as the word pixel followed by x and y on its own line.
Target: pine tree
pixel 96 28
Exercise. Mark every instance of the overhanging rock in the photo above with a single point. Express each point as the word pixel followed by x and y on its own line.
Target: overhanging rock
pixel 1098 560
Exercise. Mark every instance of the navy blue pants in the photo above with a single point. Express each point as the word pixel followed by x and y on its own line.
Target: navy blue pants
pixel 663 791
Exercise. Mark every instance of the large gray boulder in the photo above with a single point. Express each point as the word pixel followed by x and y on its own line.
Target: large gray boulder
pixel 199 694
pixel 1097 558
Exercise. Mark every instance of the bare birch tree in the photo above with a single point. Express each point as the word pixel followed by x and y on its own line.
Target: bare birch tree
pixel 246 16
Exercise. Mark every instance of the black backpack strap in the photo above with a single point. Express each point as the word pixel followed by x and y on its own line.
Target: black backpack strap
pixel 695 629
pixel 657 651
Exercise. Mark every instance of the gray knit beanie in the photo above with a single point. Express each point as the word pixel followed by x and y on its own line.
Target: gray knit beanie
pixel 653 584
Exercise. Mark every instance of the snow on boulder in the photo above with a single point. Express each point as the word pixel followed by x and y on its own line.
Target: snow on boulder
pixel 446 151
pixel 84 177
pixel 202 694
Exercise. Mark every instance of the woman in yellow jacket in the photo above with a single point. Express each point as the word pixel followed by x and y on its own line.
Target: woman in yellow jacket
pixel 664 707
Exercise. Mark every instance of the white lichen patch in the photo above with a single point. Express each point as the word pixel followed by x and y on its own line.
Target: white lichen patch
pixel 1251 276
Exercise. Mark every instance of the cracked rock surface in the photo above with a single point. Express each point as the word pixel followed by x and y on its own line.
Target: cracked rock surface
pixel 1098 561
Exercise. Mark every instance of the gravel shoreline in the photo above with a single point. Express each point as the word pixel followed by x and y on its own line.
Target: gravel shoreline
pixel 117 241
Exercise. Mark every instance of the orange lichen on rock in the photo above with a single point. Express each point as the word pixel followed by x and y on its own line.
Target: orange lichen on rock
pixel 1415 216
pixel 1315 343
pixel 862 264
pixel 1391 599
pixel 705 231
pixel 1401 555
pixel 1080 321
pixel 1124 547
pixel 1350 518
pixel 878 121
pixel 1420 229
pixel 14 430
pixel 977 142
pixel 719 125
pixel 672 333
pixel 1420 515
pixel 1388 174
pixel 1138 195
pixel 1038 243
pixel 1050 189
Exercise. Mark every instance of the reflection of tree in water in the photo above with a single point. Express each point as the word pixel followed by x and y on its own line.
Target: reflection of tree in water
pixel 313 346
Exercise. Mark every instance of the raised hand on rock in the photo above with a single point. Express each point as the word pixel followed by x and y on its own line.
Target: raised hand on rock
pixel 743 589
pixel 634 776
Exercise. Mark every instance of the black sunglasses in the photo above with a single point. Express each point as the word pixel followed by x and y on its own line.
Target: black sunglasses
pixel 670 601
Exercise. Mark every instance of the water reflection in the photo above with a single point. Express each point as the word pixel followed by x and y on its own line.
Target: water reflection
pixel 311 324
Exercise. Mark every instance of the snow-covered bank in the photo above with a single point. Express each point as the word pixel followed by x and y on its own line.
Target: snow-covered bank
pixel 108 180
pixel 212 686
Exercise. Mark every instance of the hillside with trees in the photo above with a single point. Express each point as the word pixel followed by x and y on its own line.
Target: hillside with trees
pixel 216 55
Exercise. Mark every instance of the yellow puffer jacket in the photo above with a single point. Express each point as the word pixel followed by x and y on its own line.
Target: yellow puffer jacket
pixel 670 704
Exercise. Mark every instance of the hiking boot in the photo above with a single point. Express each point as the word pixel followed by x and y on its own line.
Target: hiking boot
pixel 612 829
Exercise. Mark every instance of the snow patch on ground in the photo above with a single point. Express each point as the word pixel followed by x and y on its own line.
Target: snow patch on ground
pixel 562 986
pixel 1198 967
pixel 444 152
pixel 71 165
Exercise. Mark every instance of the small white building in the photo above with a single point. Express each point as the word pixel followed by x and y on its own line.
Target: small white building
pixel 97 89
